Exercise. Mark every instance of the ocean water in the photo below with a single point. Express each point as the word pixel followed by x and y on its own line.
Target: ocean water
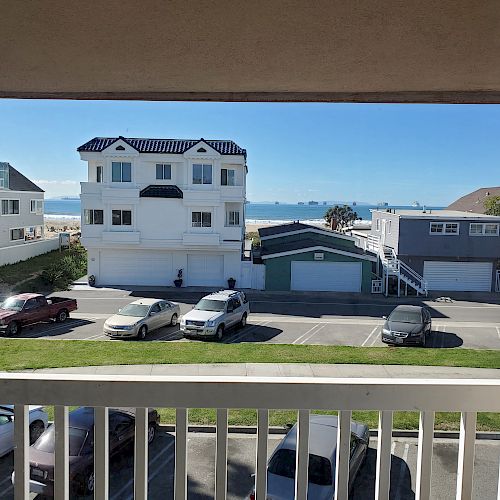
pixel 255 212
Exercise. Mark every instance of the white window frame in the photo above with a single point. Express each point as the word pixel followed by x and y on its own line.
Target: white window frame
pixel 483 228
pixel 443 226
pixel 162 166
pixel 17 229
pixel 233 177
pixel 200 224
pixel 203 166
pixel 91 217
pixel 18 207
pixel 389 226
pixel 121 171
pixel 36 206
pixel 233 213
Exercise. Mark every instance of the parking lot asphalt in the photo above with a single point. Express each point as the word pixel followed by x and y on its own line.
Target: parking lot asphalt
pixel 292 319
pixel 241 465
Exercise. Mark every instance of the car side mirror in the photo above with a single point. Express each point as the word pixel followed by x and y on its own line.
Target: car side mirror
pixel 384 317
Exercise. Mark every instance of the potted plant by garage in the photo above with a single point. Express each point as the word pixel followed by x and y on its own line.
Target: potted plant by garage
pixel 231 283
pixel 178 281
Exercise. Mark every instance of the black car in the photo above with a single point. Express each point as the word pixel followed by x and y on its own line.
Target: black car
pixel 81 448
pixel 407 325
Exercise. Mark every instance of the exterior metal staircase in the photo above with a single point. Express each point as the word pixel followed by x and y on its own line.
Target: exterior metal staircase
pixel 392 266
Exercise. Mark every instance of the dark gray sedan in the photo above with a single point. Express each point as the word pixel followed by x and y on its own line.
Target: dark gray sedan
pixel 322 457
pixel 407 325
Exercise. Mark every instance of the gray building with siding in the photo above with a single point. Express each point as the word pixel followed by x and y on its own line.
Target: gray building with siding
pixel 452 250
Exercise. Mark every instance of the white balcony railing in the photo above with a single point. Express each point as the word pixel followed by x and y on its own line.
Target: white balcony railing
pixel 221 393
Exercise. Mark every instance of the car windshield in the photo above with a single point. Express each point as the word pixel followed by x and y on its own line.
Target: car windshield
pixel 13 304
pixel 138 310
pixel 210 305
pixel 46 442
pixel 283 464
pixel 406 316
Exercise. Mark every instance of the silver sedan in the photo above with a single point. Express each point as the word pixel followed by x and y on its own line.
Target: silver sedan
pixel 140 317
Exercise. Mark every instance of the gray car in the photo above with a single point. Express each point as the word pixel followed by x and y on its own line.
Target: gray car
pixel 407 325
pixel 322 458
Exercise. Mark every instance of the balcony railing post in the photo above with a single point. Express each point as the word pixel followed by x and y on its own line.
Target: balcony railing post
pixel 181 423
pixel 221 455
pixel 343 456
pixel 261 459
pixel 383 473
pixel 424 458
pixel 302 456
pixel 466 450
pixel 101 452
pixel 21 456
pixel 141 454
pixel 61 472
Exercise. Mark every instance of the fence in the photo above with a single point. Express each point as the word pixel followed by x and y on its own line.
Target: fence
pixel 17 253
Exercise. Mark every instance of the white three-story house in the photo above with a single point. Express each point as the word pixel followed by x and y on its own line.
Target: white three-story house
pixel 154 206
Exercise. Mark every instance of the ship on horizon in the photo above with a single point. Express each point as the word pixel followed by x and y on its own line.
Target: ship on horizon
pixel 312 203
pixel 416 204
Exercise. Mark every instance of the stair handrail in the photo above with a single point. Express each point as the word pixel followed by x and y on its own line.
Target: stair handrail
pixel 401 266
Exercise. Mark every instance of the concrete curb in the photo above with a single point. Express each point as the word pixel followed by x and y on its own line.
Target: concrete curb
pixel 243 429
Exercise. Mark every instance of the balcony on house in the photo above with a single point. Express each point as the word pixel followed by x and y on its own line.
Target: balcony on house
pixel 262 393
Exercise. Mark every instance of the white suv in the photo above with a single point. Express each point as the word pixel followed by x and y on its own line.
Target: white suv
pixel 216 313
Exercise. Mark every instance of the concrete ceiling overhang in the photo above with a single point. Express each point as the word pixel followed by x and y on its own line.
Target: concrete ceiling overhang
pixel 259 50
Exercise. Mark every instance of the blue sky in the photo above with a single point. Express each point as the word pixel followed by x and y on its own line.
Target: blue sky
pixel 362 152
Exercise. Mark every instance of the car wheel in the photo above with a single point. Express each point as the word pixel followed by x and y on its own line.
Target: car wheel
pixel 243 321
pixel 219 333
pixel 173 320
pixel 88 482
pixel 36 430
pixel 14 328
pixel 143 331
pixel 62 316
pixel 151 433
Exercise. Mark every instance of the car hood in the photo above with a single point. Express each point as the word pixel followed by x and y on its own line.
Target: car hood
pixel 198 315
pixel 7 313
pixel 119 320
pixel 398 326
pixel 283 488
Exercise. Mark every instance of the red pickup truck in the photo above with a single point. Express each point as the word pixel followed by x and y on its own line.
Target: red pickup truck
pixel 29 308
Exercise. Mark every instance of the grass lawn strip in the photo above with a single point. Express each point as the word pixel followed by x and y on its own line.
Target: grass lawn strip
pixel 35 353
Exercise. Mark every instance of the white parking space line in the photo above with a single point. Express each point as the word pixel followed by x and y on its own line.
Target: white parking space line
pixel 239 336
pixel 168 336
pixel 368 338
pixel 307 339
pixel 296 341
pixel 402 472
pixel 498 332
pixel 130 482
pixel 55 328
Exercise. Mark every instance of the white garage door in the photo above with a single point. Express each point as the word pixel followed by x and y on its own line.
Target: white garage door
pixel 326 276
pixel 458 276
pixel 135 267
pixel 205 270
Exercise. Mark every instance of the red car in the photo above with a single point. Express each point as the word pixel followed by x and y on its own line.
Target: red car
pixel 28 308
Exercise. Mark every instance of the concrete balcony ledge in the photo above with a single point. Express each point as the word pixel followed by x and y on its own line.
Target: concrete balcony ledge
pixel 201 239
pixel 121 236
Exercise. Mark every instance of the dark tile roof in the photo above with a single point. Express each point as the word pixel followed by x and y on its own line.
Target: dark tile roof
pixel 18 182
pixel 474 202
pixel 308 243
pixel 173 146
pixel 161 191
pixel 284 228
